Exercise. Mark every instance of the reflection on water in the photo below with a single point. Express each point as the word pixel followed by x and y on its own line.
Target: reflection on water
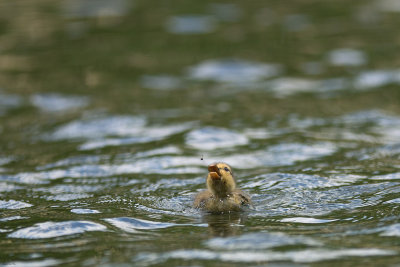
pixel 302 256
pixel 110 112
pixel 234 71
pixel 191 24
pixel 222 225
pixel 8 102
pixel 13 204
pixel 52 229
pixel 347 57
pixel 95 8
pixel 58 103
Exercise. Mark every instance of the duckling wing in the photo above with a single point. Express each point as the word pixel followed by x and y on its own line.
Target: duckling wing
pixel 201 199
pixel 242 197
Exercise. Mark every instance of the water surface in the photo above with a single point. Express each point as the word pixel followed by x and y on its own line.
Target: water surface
pixel 110 112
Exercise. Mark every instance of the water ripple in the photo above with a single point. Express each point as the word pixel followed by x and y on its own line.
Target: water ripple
pixel 132 224
pixel 281 155
pixel 14 204
pixel 347 57
pixel 9 101
pixel 210 138
pixel 99 127
pixel 233 71
pixel 56 229
pixel 12 218
pixel 191 24
pixel 147 134
pixel 302 256
pixel 392 230
pixel 84 211
pixel 37 263
pixel 259 241
pixel 58 103
pixel 307 220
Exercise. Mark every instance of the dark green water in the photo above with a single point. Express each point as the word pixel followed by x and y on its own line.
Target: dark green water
pixel 108 107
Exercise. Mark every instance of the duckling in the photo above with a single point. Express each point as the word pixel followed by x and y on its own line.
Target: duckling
pixel 221 194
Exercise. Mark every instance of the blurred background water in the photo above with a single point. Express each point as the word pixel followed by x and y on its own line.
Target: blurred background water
pixel 110 112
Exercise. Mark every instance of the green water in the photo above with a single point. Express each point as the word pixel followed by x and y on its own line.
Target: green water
pixel 110 112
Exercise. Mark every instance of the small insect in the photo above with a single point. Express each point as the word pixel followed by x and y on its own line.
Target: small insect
pixel 201 157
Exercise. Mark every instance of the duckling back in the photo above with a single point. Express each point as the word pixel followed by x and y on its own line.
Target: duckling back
pixel 237 201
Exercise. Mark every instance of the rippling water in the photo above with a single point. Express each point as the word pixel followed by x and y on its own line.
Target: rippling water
pixel 111 113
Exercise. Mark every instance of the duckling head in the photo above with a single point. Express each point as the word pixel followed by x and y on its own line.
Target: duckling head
pixel 220 180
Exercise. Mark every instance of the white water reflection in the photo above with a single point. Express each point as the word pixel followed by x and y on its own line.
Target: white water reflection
pixel 301 256
pixel 144 135
pixel 296 22
pixel 95 8
pixel 378 126
pixel 226 12
pixel 58 103
pixel 67 197
pixel 191 24
pixel 307 220
pixel 392 230
pixel 388 5
pixel 114 131
pixel 277 155
pixel 281 155
pixel 210 138
pixel 34 263
pixel 240 75
pixel 14 204
pixel 85 211
pixel 56 229
pixel 100 127
pixel 13 218
pixel 8 102
pixel 376 78
pixel 259 241
pixel 233 71
pixel 347 57
pixel 161 82
pixel 131 225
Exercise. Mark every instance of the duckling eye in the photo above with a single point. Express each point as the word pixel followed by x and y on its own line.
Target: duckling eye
pixel 226 169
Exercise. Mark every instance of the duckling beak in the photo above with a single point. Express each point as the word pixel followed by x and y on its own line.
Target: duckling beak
pixel 214 172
